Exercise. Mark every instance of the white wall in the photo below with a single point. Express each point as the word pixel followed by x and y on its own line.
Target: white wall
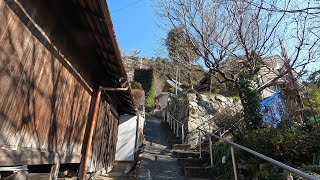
pixel 163 100
pixel 126 138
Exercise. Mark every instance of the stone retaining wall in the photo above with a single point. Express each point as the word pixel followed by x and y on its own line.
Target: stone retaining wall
pixel 206 111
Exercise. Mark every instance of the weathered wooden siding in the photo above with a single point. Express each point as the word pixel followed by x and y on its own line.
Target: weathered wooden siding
pixel 43 107
pixel 104 139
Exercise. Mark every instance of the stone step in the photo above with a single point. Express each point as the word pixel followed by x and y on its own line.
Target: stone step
pixel 174 141
pixel 114 174
pixel 186 154
pixel 41 176
pixel 104 178
pixel 164 158
pixel 200 162
pixel 121 167
pixel 164 177
pixel 197 172
pixel 182 147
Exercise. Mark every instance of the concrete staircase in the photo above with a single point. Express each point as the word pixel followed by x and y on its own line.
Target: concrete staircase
pixel 192 166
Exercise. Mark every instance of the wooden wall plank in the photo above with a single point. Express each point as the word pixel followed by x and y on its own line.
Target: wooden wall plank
pixel 42 105
pixel 104 140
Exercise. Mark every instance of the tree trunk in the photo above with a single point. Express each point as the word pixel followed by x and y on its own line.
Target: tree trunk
pixel 210 81
pixel 250 101
pixel 210 74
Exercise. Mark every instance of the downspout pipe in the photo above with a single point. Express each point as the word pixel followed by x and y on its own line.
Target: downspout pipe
pixel 94 108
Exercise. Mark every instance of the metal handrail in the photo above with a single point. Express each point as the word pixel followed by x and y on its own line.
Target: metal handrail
pixel 275 162
pixel 176 127
pixel 176 119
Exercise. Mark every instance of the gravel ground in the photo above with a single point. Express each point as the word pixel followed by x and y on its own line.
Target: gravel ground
pixel 157 161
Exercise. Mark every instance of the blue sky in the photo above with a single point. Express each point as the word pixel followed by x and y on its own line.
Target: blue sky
pixel 134 25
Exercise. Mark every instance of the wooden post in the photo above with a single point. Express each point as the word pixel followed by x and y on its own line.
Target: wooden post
pixel 86 150
pixel 54 171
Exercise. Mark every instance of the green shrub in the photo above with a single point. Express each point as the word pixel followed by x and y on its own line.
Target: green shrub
pixel 269 175
pixel 145 77
pixel 312 170
pixel 136 85
pixel 151 96
pixel 223 170
pixel 250 100
pixel 236 98
pixel 221 149
pixel 290 146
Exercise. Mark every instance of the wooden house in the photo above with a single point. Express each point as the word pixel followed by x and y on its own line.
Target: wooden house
pixel 62 84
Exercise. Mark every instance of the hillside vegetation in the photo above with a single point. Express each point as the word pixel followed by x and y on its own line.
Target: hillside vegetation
pixel 163 69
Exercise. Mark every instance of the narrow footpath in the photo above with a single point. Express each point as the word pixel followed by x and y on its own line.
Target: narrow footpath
pixel 157 159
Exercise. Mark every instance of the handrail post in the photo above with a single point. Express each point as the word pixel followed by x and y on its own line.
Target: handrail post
pixel 199 134
pixel 174 126
pixel 177 129
pixel 182 133
pixel 170 122
pixel 234 163
pixel 210 148
pixel 289 176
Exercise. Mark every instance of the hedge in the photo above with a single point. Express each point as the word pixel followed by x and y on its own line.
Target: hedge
pixel 145 77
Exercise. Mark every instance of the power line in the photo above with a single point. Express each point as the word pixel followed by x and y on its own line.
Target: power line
pixel 126 6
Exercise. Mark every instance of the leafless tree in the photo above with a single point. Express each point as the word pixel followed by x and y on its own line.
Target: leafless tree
pixel 245 30
pixel 181 50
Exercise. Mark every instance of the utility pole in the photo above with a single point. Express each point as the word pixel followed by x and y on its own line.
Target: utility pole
pixel 177 80
pixel 179 77
pixel 140 63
